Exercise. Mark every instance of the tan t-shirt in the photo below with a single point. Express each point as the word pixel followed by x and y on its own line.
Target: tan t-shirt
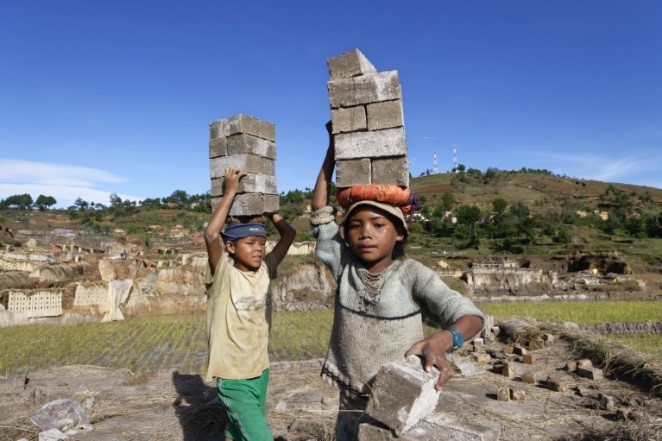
pixel 238 319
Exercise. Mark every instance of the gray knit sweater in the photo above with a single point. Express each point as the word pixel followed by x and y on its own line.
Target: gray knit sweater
pixel 377 322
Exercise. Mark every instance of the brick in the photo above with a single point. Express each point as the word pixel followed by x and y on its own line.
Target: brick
pixel 503 394
pixel 529 359
pixel 508 370
pixel 218 147
pixel 557 384
pixel 380 143
pixel 590 373
pixel 364 89
pixel 390 171
pixel 517 394
pixel 242 124
pixel 508 349
pixel 217 187
pixel 385 115
pixel 478 344
pixel 271 203
pixel 348 119
pixel 439 426
pixel 548 339
pixel 349 64
pixel 246 163
pixel 607 402
pixel 530 377
pixel 519 350
pixel 584 363
pixel 571 366
pixel 353 172
pixel 252 145
pixel 248 204
pixel 251 183
pixel 402 394
pixel 252 203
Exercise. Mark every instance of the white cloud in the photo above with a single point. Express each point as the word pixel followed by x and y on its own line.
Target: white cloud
pixel 64 182
pixel 17 170
pixel 633 170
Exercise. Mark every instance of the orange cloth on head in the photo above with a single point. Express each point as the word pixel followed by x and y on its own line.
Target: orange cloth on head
pixel 387 193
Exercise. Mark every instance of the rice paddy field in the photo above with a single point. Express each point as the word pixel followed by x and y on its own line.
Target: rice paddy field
pixel 179 342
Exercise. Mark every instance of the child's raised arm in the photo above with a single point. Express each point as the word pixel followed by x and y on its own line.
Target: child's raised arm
pixel 287 234
pixel 217 221
pixel 320 193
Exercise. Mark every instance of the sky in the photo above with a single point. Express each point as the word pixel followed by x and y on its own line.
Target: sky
pixel 116 96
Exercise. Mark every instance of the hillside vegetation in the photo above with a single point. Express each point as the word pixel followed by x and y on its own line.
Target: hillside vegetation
pixel 524 213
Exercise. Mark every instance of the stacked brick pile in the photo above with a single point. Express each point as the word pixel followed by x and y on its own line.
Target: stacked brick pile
pixel 247 144
pixel 367 118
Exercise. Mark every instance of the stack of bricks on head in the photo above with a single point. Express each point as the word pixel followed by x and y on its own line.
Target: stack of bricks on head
pixel 368 123
pixel 247 144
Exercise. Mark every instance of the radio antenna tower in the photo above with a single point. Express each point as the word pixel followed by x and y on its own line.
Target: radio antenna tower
pixel 455 163
pixel 435 170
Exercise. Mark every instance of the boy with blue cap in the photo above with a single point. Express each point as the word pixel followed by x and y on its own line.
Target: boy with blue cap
pixel 239 312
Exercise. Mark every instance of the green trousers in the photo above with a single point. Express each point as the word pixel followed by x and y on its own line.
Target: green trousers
pixel 246 403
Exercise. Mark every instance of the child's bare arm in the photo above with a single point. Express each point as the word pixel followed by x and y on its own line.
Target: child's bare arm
pixel 320 192
pixel 218 218
pixel 287 234
pixel 433 348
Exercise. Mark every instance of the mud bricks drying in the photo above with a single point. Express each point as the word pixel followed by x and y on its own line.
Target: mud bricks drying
pixel 368 123
pixel 248 144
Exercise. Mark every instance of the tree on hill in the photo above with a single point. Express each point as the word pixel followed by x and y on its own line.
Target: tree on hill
pixel 440 206
pixel 468 217
pixel 17 202
pixel 80 204
pixel 499 206
pixel 519 210
pixel 45 202
pixel 178 199
pixel 118 206
pixel 615 199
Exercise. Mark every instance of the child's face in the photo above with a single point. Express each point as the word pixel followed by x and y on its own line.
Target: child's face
pixel 372 236
pixel 247 252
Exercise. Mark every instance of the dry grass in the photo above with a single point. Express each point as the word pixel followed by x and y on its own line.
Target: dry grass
pixel 626 431
pixel 17 429
pixel 303 425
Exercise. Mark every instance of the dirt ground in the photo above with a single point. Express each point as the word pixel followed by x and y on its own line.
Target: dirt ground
pixel 166 405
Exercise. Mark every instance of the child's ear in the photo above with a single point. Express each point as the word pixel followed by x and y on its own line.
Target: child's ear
pixel 229 246
pixel 400 234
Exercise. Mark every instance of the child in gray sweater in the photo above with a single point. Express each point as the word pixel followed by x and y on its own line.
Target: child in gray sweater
pixel 380 299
